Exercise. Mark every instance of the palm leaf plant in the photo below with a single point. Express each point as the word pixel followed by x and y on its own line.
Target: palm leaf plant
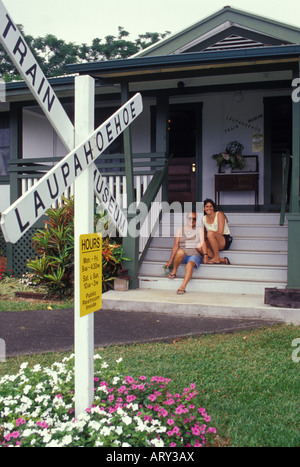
pixel 53 268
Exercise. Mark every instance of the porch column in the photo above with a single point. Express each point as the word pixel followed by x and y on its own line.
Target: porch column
pixel 16 152
pixel 16 147
pixel 162 140
pixel 294 215
pixel 130 243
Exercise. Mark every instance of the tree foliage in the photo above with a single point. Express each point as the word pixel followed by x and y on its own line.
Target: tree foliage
pixel 54 54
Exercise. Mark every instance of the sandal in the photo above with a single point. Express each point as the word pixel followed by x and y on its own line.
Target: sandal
pixel 181 292
pixel 226 260
pixel 171 276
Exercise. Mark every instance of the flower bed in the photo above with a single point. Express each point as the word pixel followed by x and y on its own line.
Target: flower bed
pixel 37 410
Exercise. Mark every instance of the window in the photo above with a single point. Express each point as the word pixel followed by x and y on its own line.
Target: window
pixel 4 144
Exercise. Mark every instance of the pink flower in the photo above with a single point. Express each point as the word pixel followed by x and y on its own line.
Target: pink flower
pixel 152 397
pixel 43 424
pixel 197 444
pixel 129 379
pixel 142 378
pixel 169 402
pixel 170 421
pixel 14 434
pixel 130 398
pixel 211 430
pixel 172 445
pixel 195 430
pixel 20 421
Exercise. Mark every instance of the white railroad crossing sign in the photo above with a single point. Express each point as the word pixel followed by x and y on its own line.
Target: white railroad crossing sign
pixel 17 219
pixel 15 45
pixel 24 213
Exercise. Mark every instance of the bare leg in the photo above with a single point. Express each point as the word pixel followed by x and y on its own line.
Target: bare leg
pixel 216 242
pixel 188 275
pixel 177 261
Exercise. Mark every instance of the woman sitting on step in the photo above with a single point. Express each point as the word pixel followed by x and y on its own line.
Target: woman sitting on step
pixel 186 250
pixel 217 234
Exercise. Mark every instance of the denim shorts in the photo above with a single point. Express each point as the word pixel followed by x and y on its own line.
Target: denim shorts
pixel 195 258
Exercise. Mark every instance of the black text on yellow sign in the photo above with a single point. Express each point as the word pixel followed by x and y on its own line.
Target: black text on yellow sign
pixel 90 273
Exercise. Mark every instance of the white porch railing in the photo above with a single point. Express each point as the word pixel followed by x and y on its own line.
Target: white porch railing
pixel 118 188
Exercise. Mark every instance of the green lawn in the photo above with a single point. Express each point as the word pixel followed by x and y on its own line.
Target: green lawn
pixel 13 305
pixel 247 381
pixel 8 301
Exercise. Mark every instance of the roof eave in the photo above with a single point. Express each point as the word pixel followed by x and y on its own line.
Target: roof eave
pixel 142 63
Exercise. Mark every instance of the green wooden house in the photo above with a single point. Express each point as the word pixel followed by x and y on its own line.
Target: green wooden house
pixel 233 76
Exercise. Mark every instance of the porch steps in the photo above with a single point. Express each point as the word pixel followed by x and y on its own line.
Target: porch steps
pixel 258 257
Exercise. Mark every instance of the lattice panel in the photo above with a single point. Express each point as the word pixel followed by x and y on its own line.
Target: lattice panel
pixel 23 251
pixel 2 247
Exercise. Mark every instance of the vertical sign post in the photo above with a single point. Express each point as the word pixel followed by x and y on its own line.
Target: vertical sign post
pixel 83 224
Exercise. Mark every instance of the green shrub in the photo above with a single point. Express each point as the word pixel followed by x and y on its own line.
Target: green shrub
pixel 53 267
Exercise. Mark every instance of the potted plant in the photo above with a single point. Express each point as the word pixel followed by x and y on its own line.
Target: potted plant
pixel 231 158
pixel 121 282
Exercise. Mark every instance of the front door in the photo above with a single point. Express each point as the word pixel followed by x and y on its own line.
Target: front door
pixel 184 141
pixel 278 141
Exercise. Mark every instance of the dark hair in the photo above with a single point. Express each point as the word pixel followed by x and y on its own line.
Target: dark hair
pixel 208 200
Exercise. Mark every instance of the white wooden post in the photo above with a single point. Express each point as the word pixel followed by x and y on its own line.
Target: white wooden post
pixel 83 224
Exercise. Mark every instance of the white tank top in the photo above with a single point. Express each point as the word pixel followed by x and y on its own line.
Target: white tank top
pixel 214 225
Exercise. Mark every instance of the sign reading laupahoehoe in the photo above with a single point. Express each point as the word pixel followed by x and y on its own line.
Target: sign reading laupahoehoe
pixel 23 214
pixel 15 45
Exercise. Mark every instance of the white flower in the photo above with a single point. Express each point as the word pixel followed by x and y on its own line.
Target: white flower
pixel 54 444
pixel 95 425
pixel 158 443
pixel 67 440
pixel 127 420
pixel 105 431
pixel 119 430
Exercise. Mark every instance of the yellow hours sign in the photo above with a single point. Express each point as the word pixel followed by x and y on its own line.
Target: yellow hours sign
pixel 90 273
